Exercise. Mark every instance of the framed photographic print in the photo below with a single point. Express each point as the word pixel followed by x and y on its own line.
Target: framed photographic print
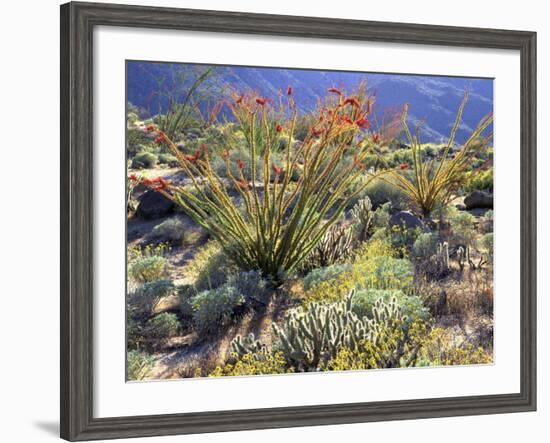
pixel 272 221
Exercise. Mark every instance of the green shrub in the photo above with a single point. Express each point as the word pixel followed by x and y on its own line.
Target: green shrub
pixel 462 227
pixel 168 159
pixel 487 222
pixel 210 267
pixel 380 191
pixel 186 294
pixel 403 238
pixel 162 326
pixel 251 285
pixel 479 180
pixel 326 273
pixel 148 269
pixel 381 216
pixel 213 309
pixel 410 305
pixel 136 141
pixel 425 245
pixel 145 160
pixel 487 244
pixel 138 365
pixel 384 272
pixel 171 230
pixel 147 296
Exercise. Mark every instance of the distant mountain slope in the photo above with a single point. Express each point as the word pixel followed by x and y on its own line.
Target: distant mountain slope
pixel 433 100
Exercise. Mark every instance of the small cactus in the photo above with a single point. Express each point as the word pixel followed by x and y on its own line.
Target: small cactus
pixel 248 345
pixel 333 247
pixel 362 216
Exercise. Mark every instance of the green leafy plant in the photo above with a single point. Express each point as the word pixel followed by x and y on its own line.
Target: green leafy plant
pixel 162 326
pixel 146 297
pixel 145 160
pixel 214 309
pixel 319 275
pixel 434 181
pixel 462 227
pixel 148 269
pixel 139 365
pixel 171 230
pixel 479 180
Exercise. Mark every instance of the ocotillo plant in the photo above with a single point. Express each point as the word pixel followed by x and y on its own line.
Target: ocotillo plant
pixel 434 182
pixel 288 207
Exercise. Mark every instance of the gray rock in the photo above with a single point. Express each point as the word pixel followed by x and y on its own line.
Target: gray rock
pixel 406 219
pixel 153 204
pixel 478 199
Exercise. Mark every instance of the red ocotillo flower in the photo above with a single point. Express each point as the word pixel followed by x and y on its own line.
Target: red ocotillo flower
pixel 346 119
pixel 289 90
pixel 335 91
pixel 160 184
pixel 243 184
pixel 278 128
pixel 317 132
pixel 276 169
pixel 352 101
pixel 363 123
pixel 375 137
pixel 404 166
pixel 240 99
pixel 147 182
pixel 150 128
pixel 132 177
pixel 240 164
pixel 261 101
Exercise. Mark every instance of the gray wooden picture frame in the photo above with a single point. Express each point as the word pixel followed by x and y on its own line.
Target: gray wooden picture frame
pixel 77 23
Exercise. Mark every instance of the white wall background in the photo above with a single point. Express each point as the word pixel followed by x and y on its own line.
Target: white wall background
pixel 29 208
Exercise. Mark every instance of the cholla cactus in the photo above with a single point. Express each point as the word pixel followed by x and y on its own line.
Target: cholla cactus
pixel 248 345
pixel 335 246
pixel 463 257
pixel 362 216
pixel 442 255
pixel 309 339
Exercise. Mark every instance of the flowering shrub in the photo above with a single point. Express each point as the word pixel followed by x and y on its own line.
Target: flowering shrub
pixel 281 222
pixel 248 365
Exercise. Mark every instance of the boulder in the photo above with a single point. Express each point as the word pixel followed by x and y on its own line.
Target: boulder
pixel 153 204
pixel 478 199
pixel 406 219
